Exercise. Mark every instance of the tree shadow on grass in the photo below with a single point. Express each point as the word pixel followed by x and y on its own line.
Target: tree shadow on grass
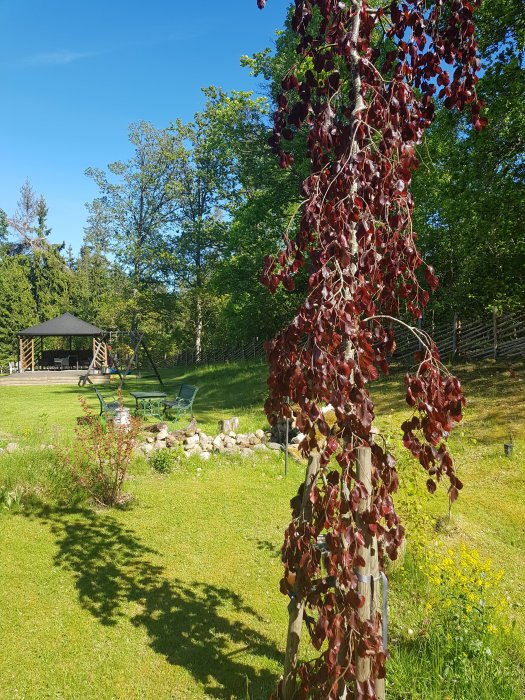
pixel 188 623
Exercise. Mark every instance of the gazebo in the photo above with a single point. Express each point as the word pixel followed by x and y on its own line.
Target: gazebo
pixel 65 326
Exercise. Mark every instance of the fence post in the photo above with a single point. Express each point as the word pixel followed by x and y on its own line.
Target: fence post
pixel 495 332
pixel 454 335
pixel 368 583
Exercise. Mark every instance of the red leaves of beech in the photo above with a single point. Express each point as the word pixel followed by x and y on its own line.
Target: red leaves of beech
pixel 362 100
pixel 438 401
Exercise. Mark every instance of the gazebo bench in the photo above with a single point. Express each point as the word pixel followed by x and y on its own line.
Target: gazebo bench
pixel 61 362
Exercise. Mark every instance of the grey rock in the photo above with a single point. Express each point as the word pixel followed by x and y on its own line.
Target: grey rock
pixel 158 427
pixel 192 440
pixel 230 424
pixel 274 446
pixel 11 447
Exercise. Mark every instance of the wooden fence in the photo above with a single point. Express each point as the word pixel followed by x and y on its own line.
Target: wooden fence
pixel 499 336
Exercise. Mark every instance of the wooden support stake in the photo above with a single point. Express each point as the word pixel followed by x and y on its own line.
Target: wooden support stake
pixel 286 436
pixel 297 603
pixel 369 553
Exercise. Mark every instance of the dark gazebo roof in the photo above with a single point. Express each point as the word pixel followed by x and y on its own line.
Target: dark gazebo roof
pixel 64 325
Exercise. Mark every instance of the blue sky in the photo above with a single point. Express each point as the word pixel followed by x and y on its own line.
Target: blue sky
pixel 74 75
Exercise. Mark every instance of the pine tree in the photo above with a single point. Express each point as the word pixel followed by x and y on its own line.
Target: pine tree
pixel 17 306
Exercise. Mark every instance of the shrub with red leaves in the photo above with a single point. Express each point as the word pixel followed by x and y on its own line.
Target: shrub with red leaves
pixel 101 455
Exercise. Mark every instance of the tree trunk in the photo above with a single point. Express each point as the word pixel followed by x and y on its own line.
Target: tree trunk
pixel 198 329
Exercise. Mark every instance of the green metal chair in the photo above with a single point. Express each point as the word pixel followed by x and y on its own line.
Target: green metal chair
pixel 183 403
pixel 109 408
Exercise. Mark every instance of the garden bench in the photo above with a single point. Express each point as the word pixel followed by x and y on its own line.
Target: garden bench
pixel 109 408
pixel 183 403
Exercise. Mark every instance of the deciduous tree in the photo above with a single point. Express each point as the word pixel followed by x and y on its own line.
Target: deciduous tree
pixel 135 209
pixel 470 187
pixel 363 93
pixel 212 153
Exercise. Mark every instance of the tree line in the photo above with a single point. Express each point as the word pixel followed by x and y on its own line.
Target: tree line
pixel 175 238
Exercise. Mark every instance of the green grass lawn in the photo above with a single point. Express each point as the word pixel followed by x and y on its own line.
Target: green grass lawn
pixel 35 414
pixel 490 512
pixel 177 597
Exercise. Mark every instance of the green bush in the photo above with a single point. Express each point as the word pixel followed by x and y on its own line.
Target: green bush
pixel 164 461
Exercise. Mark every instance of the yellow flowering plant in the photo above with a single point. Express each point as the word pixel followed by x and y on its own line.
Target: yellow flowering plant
pixel 464 604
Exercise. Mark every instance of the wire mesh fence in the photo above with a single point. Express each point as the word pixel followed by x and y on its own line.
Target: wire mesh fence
pixel 249 351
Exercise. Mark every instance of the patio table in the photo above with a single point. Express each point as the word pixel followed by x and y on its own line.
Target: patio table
pixel 148 403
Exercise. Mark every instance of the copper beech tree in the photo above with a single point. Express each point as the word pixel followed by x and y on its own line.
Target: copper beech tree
pixel 362 93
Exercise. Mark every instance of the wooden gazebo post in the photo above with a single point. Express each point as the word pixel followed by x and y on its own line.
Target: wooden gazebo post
pixel 27 353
